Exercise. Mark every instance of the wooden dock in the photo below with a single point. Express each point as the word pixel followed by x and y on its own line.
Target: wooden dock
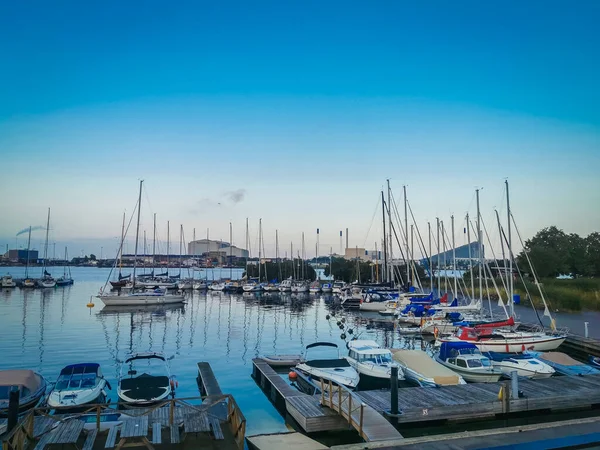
pixel 481 400
pixel 209 388
pixel 289 441
pixel 305 409
pixel 322 412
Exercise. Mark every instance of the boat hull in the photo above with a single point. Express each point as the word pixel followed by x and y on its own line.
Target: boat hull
pixel 372 306
pixel 519 345
pixel 140 300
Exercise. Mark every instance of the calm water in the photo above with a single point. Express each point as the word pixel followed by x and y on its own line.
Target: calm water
pixel 45 330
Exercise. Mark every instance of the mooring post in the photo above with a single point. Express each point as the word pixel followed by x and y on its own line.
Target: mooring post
pixel 585 324
pixel 514 385
pixel 394 391
pixel 13 408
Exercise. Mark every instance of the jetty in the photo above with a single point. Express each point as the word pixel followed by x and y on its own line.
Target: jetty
pixel 210 390
pixel 335 408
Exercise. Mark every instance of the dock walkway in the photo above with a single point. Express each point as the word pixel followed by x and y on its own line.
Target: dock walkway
pixel 209 388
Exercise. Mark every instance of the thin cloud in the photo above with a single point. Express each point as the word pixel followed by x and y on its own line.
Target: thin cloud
pixel 236 196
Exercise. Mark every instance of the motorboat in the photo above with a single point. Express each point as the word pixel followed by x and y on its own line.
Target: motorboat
pixel 184 285
pixel 31 385
pixel 352 297
pixel 271 287
pixel 156 297
pixel 8 282
pixel 466 360
pixel 286 285
pixel 78 385
pixel 326 288
pixel 337 370
pixel 199 285
pixel 300 286
pixel 252 286
pixel 373 363
pixel 282 360
pixel 594 361
pixel 564 364
pixel 315 287
pixel 145 379
pixel 526 365
pixel 46 281
pixel 338 286
pixel 389 308
pixel 420 369
pixel 216 286
pixel 64 281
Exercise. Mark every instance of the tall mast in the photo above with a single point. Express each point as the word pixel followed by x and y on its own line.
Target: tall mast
pixel 292 259
pixel 470 259
pixel 444 251
pixel 390 267
pixel 303 256
pixel 376 264
pixel 46 245
pixel 510 262
pixel 454 259
pixel 429 264
pixel 137 232
pixel 247 248
pixel 412 249
pixel 145 250
pixel 479 245
pixel 180 246
pixel 437 244
pixel 28 245
pixel 121 247
pixel 406 233
pixel 230 251
pixel 502 247
pixel 277 253
pixel 385 247
pixel 259 247
pixel 153 242
pixel 168 245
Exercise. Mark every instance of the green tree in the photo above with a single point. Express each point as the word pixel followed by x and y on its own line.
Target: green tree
pixel 549 252
pixel 592 254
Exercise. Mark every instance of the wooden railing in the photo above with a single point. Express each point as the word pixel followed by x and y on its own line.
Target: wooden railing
pixel 341 399
pixel 21 437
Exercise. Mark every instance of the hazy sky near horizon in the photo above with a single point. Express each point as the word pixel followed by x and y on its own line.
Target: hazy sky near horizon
pixel 297 113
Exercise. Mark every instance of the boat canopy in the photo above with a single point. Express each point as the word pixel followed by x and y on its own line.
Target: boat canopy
pixel 321 344
pixel 453 349
pixel 78 376
pixel 81 368
pixel 146 356
pixel 504 323
pixel 421 363
pixel 22 378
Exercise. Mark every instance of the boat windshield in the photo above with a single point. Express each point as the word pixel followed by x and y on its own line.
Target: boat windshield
pixel 76 381
pixel 375 358
pixel 483 362
pixel 469 351
pixel 148 366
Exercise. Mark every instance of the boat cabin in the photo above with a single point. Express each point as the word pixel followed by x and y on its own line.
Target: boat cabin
pixel 369 352
pixel 463 355
pixel 78 376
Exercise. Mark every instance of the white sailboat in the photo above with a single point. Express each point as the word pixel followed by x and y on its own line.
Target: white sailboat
pixel 46 280
pixel 28 282
pixel 7 281
pixel 66 278
pixel 132 298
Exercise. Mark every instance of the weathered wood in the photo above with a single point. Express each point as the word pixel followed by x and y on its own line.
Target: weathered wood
pixel 156 433
pixel 137 427
pixel 216 428
pixel 174 434
pixel 196 423
pixel 207 381
pixel 111 438
pixel 89 440
pixel 42 442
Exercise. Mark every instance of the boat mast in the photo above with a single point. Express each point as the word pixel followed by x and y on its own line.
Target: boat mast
pixel 137 232
pixel 376 264
pixel 470 259
pixel 437 244
pixel 180 245
pixel 247 248
pixel 510 262
pixel 385 247
pixel 153 244
pixel 28 245
pixel 292 259
pixel 46 245
pixel 121 247
pixel 429 262
pixel 444 251
pixel 230 251
pixel 406 234
pixel 277 253
pixel 454 259
pixel 65 266
pixel 412 249
pixel 479 246
pixel 168 244
pixel 502 247
pixel 303 256
pixel 259 247
pixel 390 267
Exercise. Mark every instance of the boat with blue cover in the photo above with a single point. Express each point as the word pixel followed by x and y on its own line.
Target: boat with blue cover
pixel 526 365
pixel 564 364
pixel 466 360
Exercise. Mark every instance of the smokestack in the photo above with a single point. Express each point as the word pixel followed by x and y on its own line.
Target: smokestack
pixel 346 237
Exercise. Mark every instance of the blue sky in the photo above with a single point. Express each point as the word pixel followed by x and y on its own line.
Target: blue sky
pixel 304 107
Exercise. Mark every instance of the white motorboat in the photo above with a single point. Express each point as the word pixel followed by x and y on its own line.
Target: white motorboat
pixel 389 308
pixel 8 282
pixel 422 370
pixel 252 286
pixel 282 360
pixel 199 285
pixel 184 285
pixel 315 287
pixel 217 286
pixel 352 297
pixel 373 363
pixel 338 286
pixel 337 370
pixel 285 285
pixel 300 286
pixel 271 287
pixel 525 365
pixel 78 385
pixel 466 360
pixel 326 288
pixel 145 379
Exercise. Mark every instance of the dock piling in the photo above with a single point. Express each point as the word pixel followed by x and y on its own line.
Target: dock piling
pixel 514 385
pixel 394 391
pixel 586 324
pixel 13 408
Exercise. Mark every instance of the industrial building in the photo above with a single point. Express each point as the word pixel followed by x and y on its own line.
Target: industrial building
pixel 362 254
pixel 462 255
pixel 215 249
pixel 20 256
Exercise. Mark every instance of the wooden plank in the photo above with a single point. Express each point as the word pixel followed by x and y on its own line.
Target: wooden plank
pixel 208 381
pixel 42 442
pixel 290 441
pixel 215 424
pixel 137 427
pixel 269 376
pixel 89 440
pixel 111 438
pixel 174 434
pixel 157 433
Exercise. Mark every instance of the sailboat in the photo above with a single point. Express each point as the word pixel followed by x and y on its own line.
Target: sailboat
pixel 46 281
pixel 66 279
pixel 155 297
pixel 122 281
pixel 28 282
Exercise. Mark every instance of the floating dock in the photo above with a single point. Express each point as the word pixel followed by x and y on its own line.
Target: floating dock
pixel 278 441
pixel 339 410
pixel 210 389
